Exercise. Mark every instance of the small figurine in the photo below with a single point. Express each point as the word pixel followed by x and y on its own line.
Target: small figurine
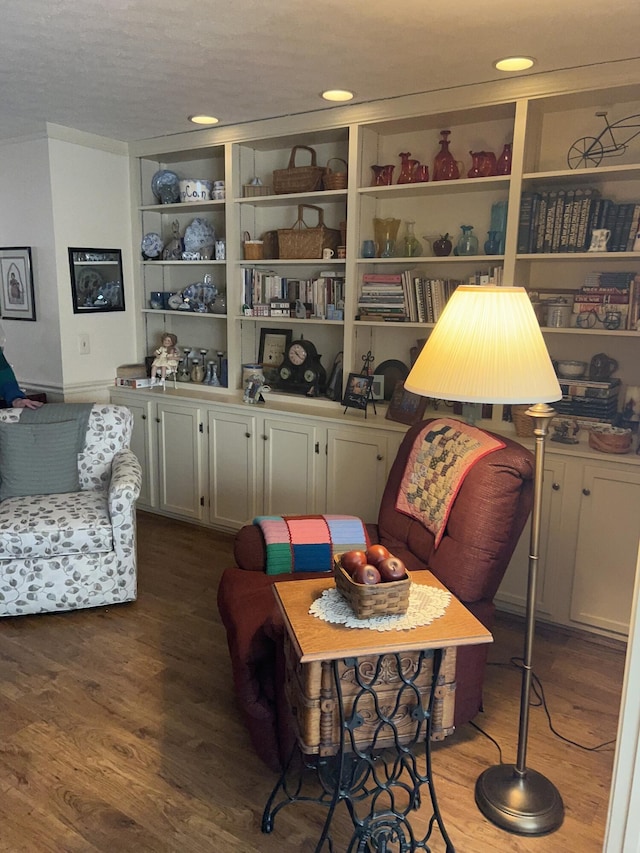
pixel 167 357
pixel 175 247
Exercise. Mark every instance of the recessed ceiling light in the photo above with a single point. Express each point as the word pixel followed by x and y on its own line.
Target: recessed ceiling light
pixel 337 95
pixel 514 63
pixel 204 119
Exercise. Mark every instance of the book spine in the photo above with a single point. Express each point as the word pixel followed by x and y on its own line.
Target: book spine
pixel 558 218
pixel 552 205
pixel 388 277
pixel 567 217
pixel 542 220
pixel 525 223
pixel 633 230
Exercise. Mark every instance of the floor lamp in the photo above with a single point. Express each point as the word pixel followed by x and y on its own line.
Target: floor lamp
pixel 487 347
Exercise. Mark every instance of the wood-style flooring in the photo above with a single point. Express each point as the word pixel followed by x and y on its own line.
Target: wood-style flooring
pixel 120 733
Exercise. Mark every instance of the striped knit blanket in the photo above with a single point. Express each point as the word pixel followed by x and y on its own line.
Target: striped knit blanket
pixel 307 543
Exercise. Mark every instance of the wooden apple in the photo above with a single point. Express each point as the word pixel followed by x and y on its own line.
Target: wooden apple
pixel 366 574
pixel 392 569
pixel 351 560
pixel 375 553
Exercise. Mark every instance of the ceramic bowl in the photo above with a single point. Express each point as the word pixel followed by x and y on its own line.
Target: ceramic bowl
pixel 572 369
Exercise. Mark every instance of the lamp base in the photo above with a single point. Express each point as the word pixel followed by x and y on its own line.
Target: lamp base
pixel 526 804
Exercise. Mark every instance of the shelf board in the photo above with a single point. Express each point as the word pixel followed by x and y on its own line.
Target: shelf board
pixel 320 197
pixel 269 262
pixel 462 185
pixel 290 321
pixel 580 256
pixel 208 315
pixel 433 259
pixel 580 177
pixel 183 206
pixel 182 263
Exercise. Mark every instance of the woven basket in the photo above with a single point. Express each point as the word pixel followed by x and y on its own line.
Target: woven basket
pixel 301 241
pixel 270 240
pixel 298 179
pixel 335 180
pixel 255 190
pixel 616 441
pixel 366 600
pixel 522 422
pixel 253 249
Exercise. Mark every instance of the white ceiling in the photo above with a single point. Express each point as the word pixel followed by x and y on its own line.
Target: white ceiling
pixel 135 69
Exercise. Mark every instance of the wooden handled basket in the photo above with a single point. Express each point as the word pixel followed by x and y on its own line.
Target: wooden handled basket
pixel 298 179
pixel 301 241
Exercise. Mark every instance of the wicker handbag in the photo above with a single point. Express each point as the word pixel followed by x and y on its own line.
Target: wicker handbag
pixel 301 241
pixel 298 179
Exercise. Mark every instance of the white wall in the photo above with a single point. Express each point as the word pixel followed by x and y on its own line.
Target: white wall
pixel 26 219
pixel 67 189
pixel 91 209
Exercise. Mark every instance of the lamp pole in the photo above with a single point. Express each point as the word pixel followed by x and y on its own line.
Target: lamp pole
pixel 513 796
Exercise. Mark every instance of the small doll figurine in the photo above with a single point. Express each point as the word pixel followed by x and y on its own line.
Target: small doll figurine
pixel 166 358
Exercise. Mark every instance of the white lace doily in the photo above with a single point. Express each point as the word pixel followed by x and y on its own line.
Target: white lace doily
pixel 426 603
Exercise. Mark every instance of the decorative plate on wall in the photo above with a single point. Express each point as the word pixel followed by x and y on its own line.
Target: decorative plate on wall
pixel 392 370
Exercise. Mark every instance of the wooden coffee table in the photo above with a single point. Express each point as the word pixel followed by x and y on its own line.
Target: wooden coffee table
pixel 374 708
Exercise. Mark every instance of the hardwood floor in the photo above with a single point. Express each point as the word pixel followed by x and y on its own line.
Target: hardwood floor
pixel 120 731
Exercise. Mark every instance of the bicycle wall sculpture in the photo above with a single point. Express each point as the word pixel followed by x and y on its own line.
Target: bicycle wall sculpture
pixel 589 151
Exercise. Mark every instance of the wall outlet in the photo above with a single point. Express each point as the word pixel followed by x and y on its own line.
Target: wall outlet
pixel 84 347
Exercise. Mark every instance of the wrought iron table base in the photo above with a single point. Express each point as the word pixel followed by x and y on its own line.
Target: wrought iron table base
pixel 380 787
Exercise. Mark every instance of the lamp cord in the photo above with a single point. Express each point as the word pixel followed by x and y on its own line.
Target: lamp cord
pixel 539 693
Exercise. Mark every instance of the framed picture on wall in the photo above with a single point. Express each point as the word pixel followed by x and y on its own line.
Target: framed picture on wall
pixel 17 300
pixel 96 280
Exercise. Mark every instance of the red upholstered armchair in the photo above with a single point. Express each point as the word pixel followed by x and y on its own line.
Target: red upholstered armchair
pixel 483 528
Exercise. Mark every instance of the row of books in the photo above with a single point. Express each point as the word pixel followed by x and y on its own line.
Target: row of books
pixel 265 288
pixel 407 297
pixel 563 220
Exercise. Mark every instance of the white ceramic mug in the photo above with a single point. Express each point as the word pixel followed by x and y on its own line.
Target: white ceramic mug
pixel 327 254
pixel 599 239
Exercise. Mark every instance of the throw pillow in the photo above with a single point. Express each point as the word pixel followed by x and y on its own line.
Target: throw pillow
pixel 38 459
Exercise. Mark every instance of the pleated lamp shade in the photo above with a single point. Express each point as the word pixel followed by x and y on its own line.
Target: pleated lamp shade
pixel 486 347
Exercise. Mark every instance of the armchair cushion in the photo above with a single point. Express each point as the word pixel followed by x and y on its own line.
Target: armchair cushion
pixel 38 459
pixel 55 525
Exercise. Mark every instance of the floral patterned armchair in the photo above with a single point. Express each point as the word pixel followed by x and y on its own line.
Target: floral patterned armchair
pixel 77 549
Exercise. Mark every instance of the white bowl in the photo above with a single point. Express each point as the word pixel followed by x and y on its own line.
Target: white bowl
pixel 572 369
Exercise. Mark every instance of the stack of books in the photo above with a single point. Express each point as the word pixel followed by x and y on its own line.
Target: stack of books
pixel 383 297
pixel 591 402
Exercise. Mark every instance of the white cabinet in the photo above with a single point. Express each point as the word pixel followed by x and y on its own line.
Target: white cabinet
pixel 180 460
pixel 293 476
pixel 358 462
pixel 234 482
pixel 606 547
pixel 589 546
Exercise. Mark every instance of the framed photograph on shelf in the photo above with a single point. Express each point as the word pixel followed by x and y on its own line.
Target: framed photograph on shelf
pixel 358 391
pixel 405 406
pixel 377 387
pixel 273 345
pixel 17 301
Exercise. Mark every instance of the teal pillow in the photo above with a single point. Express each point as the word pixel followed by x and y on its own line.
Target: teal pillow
pixel 38 459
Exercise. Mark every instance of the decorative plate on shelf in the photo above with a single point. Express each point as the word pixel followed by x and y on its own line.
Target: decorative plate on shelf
pixel 151 245
pixel 88 282
pixel 392 370
pixel 200 292
pixel 165 186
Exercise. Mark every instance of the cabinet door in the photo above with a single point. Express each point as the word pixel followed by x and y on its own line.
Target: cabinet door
pixel 180 434
pixel 233 475
pixel 143 447
pixel 357 466
pixel 512 594
pixel 292 482
pixel 607 548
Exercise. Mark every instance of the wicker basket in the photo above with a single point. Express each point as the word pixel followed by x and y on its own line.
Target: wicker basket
pixel 301 241
pixel 270 240
pixel 614 441
pixel 253 249
pixel 335 180
pixel 366 600
pixel 522 422
pixel 298 179
pixel 255 190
